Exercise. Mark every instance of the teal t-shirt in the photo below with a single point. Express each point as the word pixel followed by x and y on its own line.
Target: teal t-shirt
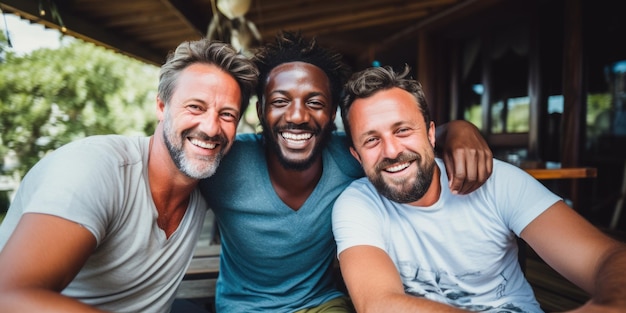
pixel 275 259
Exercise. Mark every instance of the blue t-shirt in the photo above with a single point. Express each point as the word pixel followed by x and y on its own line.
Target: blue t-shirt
pixel 275 259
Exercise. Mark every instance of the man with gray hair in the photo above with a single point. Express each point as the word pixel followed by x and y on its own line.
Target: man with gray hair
pixel 109 223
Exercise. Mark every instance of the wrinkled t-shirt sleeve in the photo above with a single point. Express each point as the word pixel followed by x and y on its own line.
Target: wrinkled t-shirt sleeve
pixel 355 219
pixel 74 183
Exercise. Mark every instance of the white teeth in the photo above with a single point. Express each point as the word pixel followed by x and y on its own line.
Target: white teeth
pixel 398 167
pixel 203 144
pixel 292 136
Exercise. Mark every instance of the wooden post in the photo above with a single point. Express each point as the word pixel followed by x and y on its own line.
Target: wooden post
pixel 573 89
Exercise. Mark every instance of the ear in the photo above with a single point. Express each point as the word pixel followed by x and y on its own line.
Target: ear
pixel 259 110
pixel 160 109
pixel 431 134
pixel 355 155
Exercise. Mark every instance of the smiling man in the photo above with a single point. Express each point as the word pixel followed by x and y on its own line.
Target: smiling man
pixel 407 244
pixel 273 195
pixel 110 223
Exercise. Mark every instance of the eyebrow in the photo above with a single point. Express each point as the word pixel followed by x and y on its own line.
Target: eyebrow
pixel 366 134
pixel 309 95
pixel 371 132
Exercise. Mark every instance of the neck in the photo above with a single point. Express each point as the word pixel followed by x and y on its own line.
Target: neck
pixel 169 187
pixel 293 186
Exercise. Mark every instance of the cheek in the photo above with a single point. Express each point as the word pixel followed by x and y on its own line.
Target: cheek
pixel 230 130
pixel 368 160
pixel 272 116
pixel 325 116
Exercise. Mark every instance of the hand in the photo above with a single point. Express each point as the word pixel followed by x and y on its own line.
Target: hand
pixel 467 156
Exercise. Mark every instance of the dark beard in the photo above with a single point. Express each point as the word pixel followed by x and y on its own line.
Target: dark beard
pixel 272 144
pixel 414 192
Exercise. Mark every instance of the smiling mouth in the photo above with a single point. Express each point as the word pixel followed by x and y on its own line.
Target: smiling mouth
pixel 398 167
pixel 296 138
pixel 202 144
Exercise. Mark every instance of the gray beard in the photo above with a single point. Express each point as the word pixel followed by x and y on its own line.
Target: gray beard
pixel 181 162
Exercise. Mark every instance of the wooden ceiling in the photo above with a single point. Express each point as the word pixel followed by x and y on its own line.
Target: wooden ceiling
pixel 149 29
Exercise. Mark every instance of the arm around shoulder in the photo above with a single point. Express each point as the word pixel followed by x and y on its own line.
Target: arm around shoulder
pixel 466 154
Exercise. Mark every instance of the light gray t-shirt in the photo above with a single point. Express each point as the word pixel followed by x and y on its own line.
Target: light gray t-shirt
pixel 101 182
pixel 461 250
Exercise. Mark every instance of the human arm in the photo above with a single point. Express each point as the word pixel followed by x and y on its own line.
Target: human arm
pixel 42 256
pixel 466 154
pixel 582 254
pixel 375 285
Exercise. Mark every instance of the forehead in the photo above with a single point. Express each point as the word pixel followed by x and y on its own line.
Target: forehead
pixel 297 74
pixel 203 72
pixel 206 75
pixel 385 107
pixel 207 82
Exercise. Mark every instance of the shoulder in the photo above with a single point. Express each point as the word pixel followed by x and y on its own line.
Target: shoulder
pixel 361 191
pixel 502 175
pixel 245 149
pixel 503 171
pixel 107 145
pixel 248 138
pixel 338 149
pixel 338 141
pixel 245 144
pixel 99 152
pixel 92 163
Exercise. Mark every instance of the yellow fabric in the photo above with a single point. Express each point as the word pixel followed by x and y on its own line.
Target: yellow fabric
pixel 337 305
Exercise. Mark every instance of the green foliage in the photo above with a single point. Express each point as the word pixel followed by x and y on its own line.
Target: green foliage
pixel 599 113
pixel 53 96
pixel 3 46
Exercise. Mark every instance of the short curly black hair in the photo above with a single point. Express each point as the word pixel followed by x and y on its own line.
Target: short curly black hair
pixel 291 46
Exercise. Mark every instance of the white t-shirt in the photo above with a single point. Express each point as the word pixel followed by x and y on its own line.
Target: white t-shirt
pixel 101 182
pixel 462 250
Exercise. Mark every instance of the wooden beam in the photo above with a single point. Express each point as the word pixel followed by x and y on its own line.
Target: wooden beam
pixel 562 173
pixel 194 20
pixel 342 22
pixel 82 29
pixel 289 13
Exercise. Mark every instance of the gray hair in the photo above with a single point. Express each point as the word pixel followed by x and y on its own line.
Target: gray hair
pixel 206 51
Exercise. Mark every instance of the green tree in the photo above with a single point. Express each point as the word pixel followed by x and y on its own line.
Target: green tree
pixel 53 96
pixel 3 46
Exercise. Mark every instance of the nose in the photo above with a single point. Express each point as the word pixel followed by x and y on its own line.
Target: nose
pixel 296 113
pixel 210 123
pixel 392 147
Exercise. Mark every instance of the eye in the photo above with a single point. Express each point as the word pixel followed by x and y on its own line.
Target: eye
pixel 194 108
pixel 279 102
pixel 403 131
pixel 316 104
pixel 370 142
pixel 229 116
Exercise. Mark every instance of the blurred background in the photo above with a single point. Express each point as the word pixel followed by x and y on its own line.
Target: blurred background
pixel 543 80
